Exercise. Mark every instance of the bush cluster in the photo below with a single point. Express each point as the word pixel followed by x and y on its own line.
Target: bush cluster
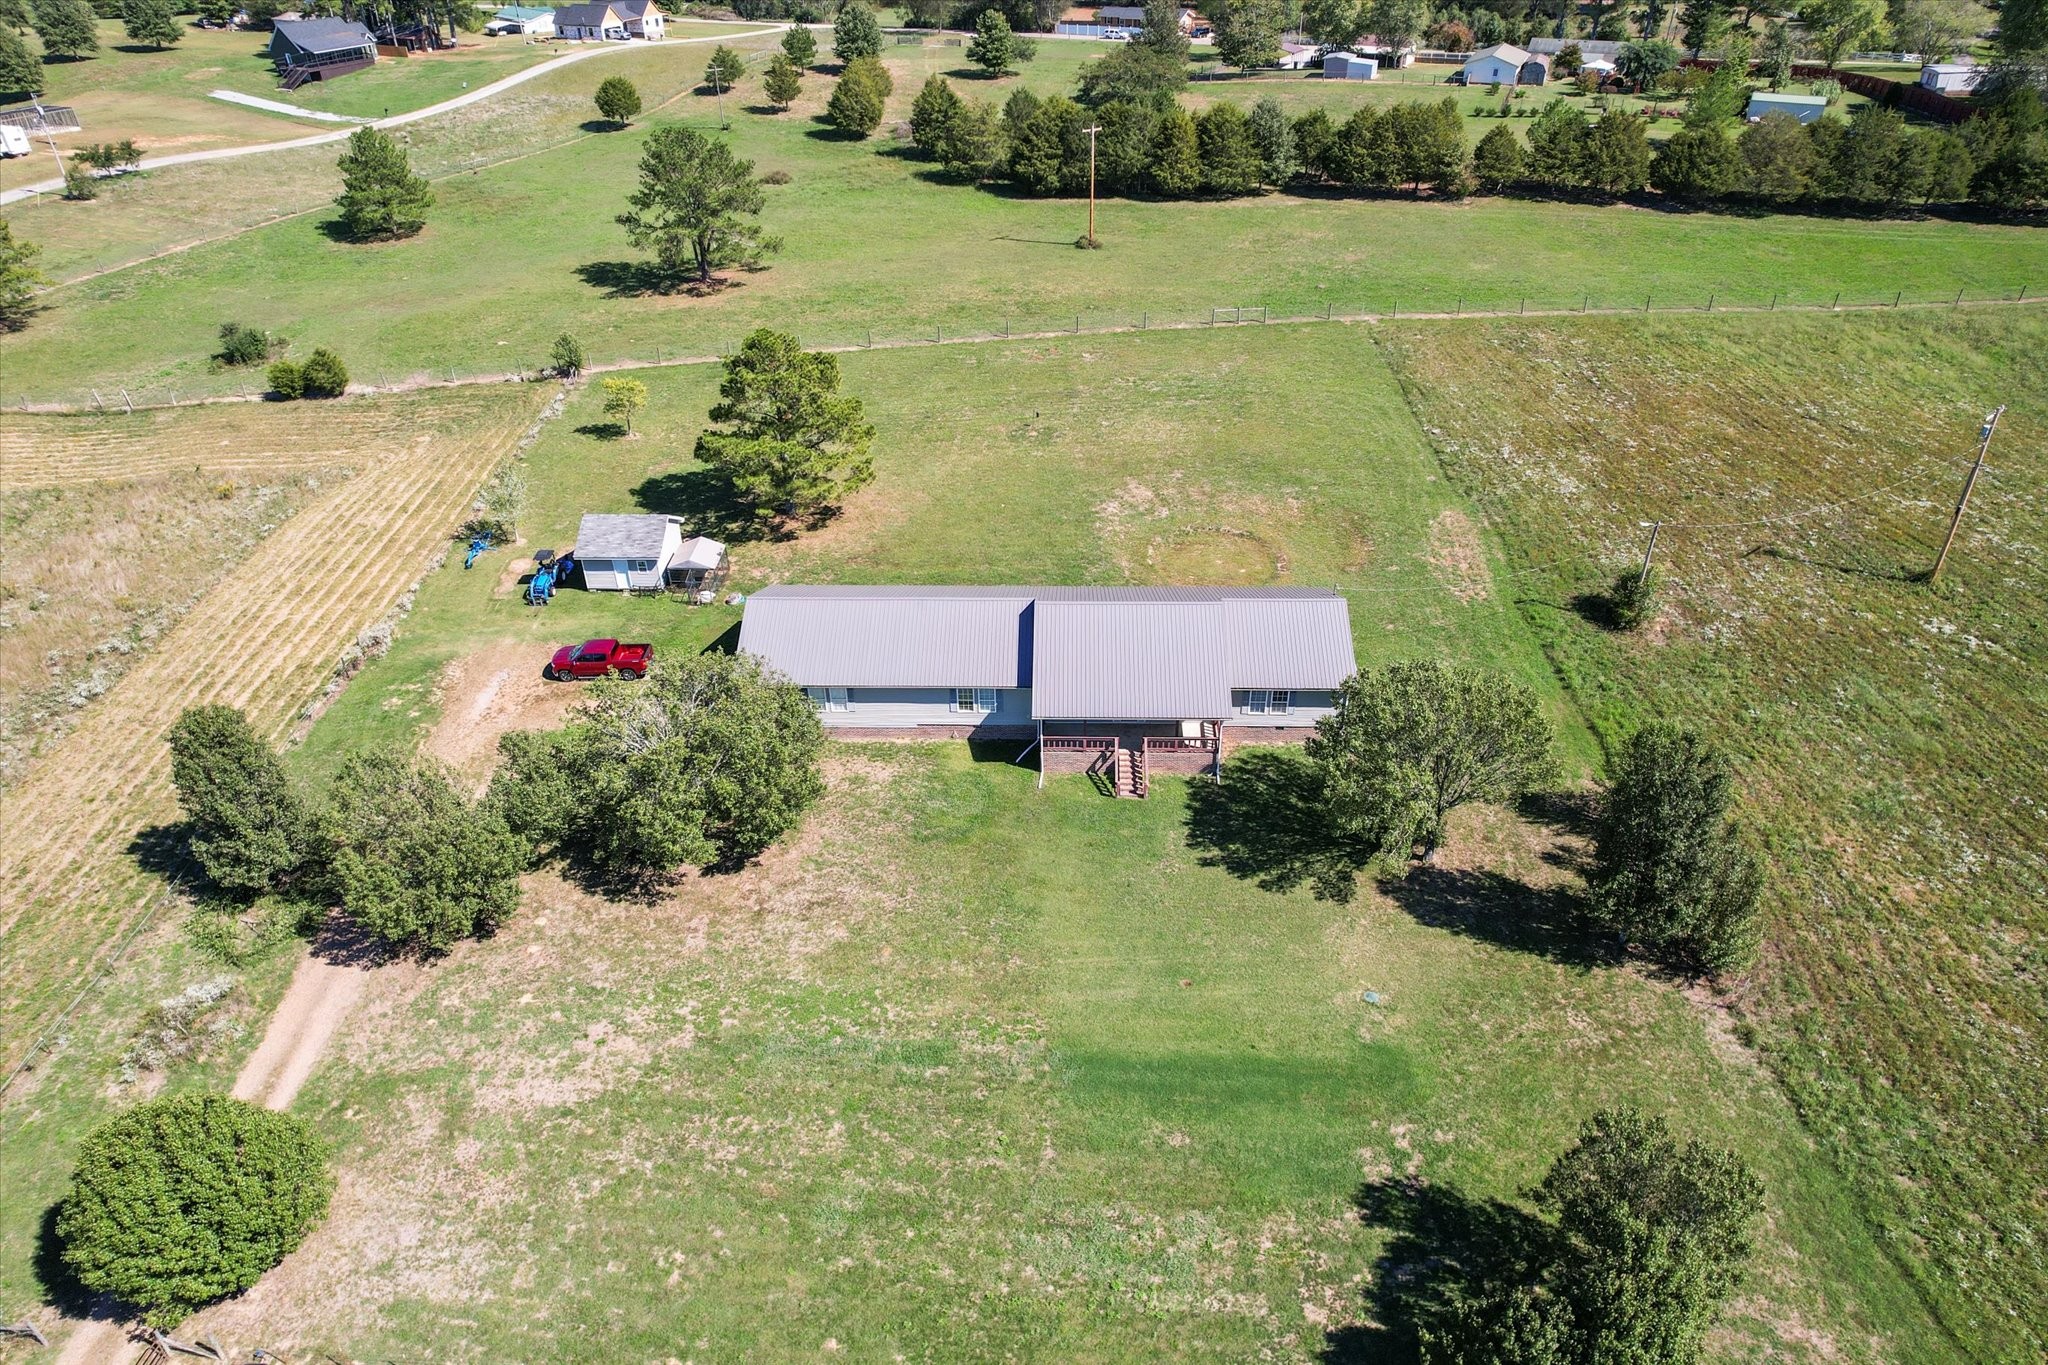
pixel 241 345
pixel 858 99
pixel 1150 146
pixel 321 376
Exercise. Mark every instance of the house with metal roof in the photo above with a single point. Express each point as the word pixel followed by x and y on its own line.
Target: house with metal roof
pixel 521 19
pixel 319 49
pixel 643 18
pixel 596 22
pixel 1117 681
pixel 1805 108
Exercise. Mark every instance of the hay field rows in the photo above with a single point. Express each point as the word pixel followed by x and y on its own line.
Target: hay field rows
pixel 262 639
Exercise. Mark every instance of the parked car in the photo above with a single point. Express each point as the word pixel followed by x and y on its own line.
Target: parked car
pixel 1115 35
pixel 596 658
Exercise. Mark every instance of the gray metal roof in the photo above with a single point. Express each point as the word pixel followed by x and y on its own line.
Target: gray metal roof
pixel 612 535
pixel 323 35
pixel 1093 653
pixel 584 16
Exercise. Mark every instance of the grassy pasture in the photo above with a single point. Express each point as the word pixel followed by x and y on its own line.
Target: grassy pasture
pixel 1892 734
pixel 520 251
pixel 968 1070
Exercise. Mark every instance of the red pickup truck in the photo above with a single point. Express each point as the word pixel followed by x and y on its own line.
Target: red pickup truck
pixel 596 658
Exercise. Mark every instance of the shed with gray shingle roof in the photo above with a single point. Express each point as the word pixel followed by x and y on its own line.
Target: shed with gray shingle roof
pixel 626 551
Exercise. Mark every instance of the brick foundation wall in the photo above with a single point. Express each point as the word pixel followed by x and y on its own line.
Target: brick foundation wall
pixel 1187 762
pixel 1235 739
pixel 1055 762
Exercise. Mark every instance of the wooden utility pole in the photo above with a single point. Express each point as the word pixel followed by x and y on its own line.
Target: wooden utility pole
pixel 1969 483
pixel 1091 130
pixel 1648 550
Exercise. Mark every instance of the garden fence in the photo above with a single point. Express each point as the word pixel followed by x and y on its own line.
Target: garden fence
pixel 1394 306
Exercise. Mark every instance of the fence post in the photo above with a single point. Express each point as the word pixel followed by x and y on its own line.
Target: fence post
pixel 1710 302
pixel 129 403
pixel 1077 324
pixel 1459 311
pixel 1646 303
pixel 1326 310
pixel 1836 305
pixel 1525 306
pixel 871 338
pixel 2023 293
pixel 1897 294
pixel 1959 299
pixel 1145 321
pixel 1585 301
pixel 938 334
pixel 1212 317
pixel 1774 300
pixel 1006 329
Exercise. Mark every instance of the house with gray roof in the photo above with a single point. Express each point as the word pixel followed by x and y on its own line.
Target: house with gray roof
pixel 609 21
pixel 636 552
pixel 319 49
pixel 524 19
pixel 1119 681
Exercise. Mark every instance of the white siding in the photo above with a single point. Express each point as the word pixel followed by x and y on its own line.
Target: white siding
pixel 907 706
pixel 601 575
pixel 1303 708
pixel 1486 70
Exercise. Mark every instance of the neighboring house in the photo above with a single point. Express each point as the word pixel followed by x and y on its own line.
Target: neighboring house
pixel 1300 56
pixel 1506 64
pixel 1805 108
pixel 592 22
pixel 522 19
pixel 1132 17
pixel 1349 66
pixel 624 553
pixel 316 49
pixel 643 18
pixel 1108 679
pixel 1609 48
pixel 1952 78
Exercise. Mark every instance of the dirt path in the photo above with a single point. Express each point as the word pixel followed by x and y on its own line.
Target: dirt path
pixel 323 990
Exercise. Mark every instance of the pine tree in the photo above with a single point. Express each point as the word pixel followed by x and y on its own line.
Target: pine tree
pixel 1279 159
pixel 618 99
pixel 380 197
pixel 931 117
pixel 67 28
pixel 856 105
pixel 152 22
pixel 250 829
pixel 800 45
pixel 724 69
pixel 994 48
pixel 1497 161
pixel 792 444
pixel 856 33
pixel 1176 156
pixel 1230 158
pixel 781 82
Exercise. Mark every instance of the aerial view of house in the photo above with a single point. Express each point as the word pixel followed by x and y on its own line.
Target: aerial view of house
pixel 1328 684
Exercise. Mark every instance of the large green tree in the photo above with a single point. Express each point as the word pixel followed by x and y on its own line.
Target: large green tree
pixel 1778 157
pixel 856 33
pixel 974 144
pixel 1558 146
pixel 187 1199
pixel 1161 32
pixel 1497 160
pixel 413 862
pixel 1395 24
pixel 859 97
pixel 800 45
pixel 1644 62
pixel 1670 870
pixel 1618 153
pixel 724 69
pixel 67 27
pixel 1135 73
pixel 1409 743
pixel 1698 164
pixel 1176 170
pixel 782 82
pixel 1834 27
pixel 1279 159
pixel 994 48
pixel 1702 23
pixel 151 21
pixel 1248 32
pixel 618 100
pixel 251 830
pixel 380 196
pixel 21 75
pixel 789 442
pixel 1230 157
pixel 933 112
pixel 19 279
pixel 1641 1242
pixel 697 207
pixel 706 761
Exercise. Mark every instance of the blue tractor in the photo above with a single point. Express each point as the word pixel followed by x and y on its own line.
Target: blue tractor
pixel 476 548
pixel 541 586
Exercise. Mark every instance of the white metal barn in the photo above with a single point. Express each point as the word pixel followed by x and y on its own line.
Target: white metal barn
pixel 1349 66
pixel 1500 64
pixel 624 552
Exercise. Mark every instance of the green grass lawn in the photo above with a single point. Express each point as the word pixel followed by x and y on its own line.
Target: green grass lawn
pixel 1892 735
pixel 968 1070
pixel 518 252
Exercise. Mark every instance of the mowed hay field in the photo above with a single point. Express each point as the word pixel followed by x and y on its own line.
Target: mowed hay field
pixel 519 250
pixel 1893 735
pixel 969 1071
pixel 263 638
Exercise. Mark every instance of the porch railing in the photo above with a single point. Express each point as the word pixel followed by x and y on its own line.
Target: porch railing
pixel 1079 743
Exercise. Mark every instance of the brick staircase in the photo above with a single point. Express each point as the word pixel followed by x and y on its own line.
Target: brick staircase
pixel 1131 778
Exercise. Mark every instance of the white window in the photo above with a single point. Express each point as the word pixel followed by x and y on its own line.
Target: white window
pixel 642 566
pixel 836 699
pixel 1263 701
pixel 980 700
pixel 1283 701
pixel 1257 700
pixel 817 696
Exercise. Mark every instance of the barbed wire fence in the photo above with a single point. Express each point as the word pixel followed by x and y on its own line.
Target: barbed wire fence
pixel 1419 304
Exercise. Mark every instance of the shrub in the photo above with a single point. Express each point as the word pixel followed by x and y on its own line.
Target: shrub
pixel 241 345
pixel 497 508
pixel 1633 597
pixel 323 374
pixel 285 380
pixel 857 100
pixel 566 356
pixel 775 177
pixel 381 198
pixel 185 1200
pixel 80 183
pixel 618 99
pixel 181 1027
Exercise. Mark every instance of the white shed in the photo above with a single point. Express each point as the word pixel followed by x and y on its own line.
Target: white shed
pixel 1805 108
pixel 626 552
pixel 1500 64
pixel 1952 78
pixel 1349 66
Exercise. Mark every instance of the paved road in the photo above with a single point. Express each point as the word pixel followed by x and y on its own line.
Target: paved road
pixel 470 97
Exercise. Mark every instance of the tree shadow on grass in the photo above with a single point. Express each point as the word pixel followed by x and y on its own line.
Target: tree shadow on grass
pixel 1543 921
pixel 1267 822
pixel 708 505
pixel 166 851
pixel 1443 1245
pixel 646 279
pixel 59 1288
pixel 1892 574
pixel 603 431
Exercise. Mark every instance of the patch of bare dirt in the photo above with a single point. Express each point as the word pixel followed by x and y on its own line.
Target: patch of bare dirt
pixel 1458 557
pixel 487 694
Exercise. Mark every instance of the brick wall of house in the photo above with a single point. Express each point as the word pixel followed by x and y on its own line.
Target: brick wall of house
pixel 1235 739
pixel 1054 762
pixel 1184 761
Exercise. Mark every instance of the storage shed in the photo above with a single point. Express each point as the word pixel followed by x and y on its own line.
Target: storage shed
pixel 1349 66
pixel 1502 64
pixel 522 19
pixel 1952 78
pixel 627 552
pixel 700 565
pixel 1805 108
